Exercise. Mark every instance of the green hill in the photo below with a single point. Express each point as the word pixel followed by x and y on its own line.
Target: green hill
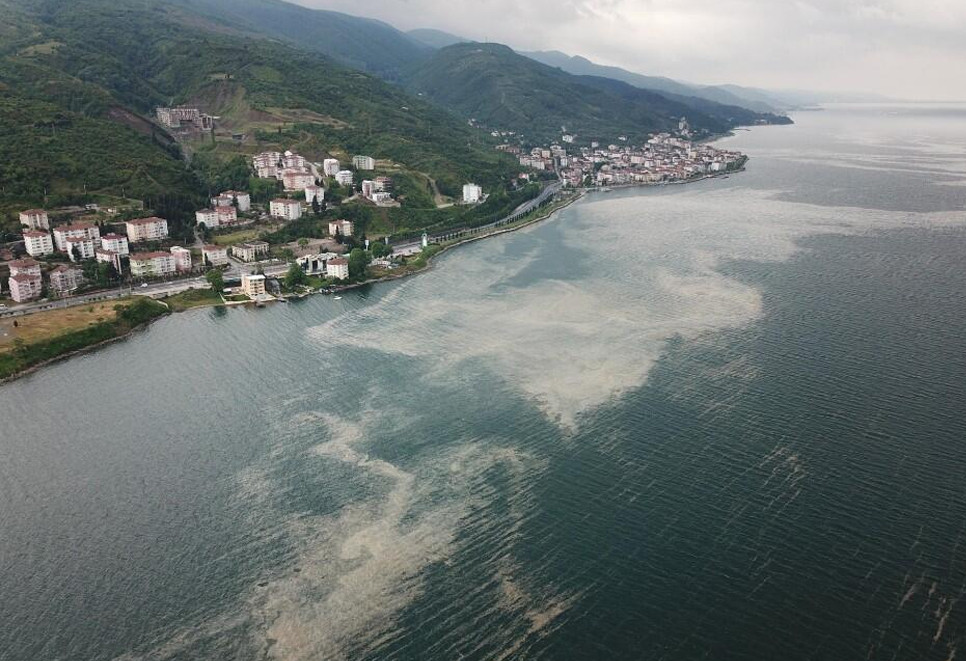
pixel 501 89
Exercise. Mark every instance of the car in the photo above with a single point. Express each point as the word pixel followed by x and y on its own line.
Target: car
pixel 143 285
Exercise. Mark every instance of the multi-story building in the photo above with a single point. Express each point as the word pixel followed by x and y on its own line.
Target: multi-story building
pixel 472 193
pixel 343 227
pixel 35 219
pixel 232 197
pixel 24 267
pixel 285 208
pixel 267 160
pixel 207 216
pixel 65 279
pixel 253 284
pixel 251 251
pixel 74 231
pixel 363 162
pixel 25 287
pixel 109 257
pixel 331 167
pixel 182 259
pixel 368 188
pixel 152 264
pixel 215 255
pixel 297 179
pixel 79 248
pixel 38 243
pixel 147 229
pixel 383 184
pixel 293 160
pixel 344 177
pixel 116 243
pixel 337 268
pixel 314 193
pixel 227 215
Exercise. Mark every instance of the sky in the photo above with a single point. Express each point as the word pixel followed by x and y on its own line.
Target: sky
pixel 909 49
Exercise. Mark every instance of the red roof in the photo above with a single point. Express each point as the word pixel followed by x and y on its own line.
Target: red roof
pixel 150 255
pixel 339 261
pixel 213 248
pixel 77 239
pixel 146 221
pixel 25 277
pixel 224 209
pixel 113 237
pixel 33 212
pixel 23 264
pixel 34 234
pixel 73 226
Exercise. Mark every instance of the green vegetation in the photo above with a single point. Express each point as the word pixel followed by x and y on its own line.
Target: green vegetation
pixel 193 298
pixel 216 280
pixel 129 316
pixel 295 277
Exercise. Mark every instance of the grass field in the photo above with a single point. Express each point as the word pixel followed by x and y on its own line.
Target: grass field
pixel 235 237
pixel 44 325
pixel 193 298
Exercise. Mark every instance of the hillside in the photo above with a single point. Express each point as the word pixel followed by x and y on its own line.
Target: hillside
pixel 501 89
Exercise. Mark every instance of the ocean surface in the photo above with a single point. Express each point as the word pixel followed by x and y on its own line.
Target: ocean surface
pixel 717 421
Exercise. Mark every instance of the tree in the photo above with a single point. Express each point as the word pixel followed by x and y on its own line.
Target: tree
pixel 295 276
pixel 380 249
pixel 303 242
pixel 316 207
pixel 216 280
pixel 358 261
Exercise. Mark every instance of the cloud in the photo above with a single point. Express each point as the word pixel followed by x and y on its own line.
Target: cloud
pixel 900 48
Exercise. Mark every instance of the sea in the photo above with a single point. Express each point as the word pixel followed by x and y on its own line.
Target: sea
pixel 724 420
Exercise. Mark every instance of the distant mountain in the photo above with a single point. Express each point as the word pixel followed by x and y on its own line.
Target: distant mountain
pixel 435 38
pixel 501 89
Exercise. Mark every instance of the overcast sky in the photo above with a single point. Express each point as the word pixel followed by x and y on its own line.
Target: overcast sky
pixel 903 48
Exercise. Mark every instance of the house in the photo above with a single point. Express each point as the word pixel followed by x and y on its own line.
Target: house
pixel 253 284
pixel 152 264
pixel 472 193
pixel 182 259
pixel 297 179
pixel 207 216
pixel 344 177
pixel 65 279
pixel 116 243
pixel 147 229
pixel 215 255
pixel 363 163
pixel 74 230
pixel 285 208
pixel 337 268
pixel 35 219
pixel 25 286
pixel 227 215
pixel 79 248
pixel 341 227
pixel 38 243
pixel 331 167
pixel 314 192
pixel 251 251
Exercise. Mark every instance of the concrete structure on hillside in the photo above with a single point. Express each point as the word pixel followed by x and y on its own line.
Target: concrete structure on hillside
pixel 35 219
pixel 147 229
pixel 344 177
pixel 227 215
pixel 74 231
pixel 152 264
pixel 472 193
pixel 233 198
pixel 314 192
pixel 215 255
pixel 337 268
pixel 340 227
pixel 176 118
pixel 285 208
pixel 363 162
pixel 116 243
pixel 182 259
pixel 331 167
pixel 315 263
pixel 294 180
pixel 253 284
pixel 38 243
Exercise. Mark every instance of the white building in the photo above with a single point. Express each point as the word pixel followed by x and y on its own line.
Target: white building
pixel 241 199
pixel 337 268
pixel 363 162
pixel 287 209
pixel 331 167
pixel 207 216
pixel 35 219
pixel 79 248
pixel 253 284
pixel 38 243
pixel 266 164
pixel 109 257
pixel 297 180
pixel 182 259
pixel 344 177
pixel 343 227
pixel 293 160
pixel 314 192
pixel 73 231
pixel 147 229
pixel 251 251
pixel 25 282
pixel 215 255
pixel 65 279
pixel 227 215
pixel 472 193
pixel 368 189
pixel 152 264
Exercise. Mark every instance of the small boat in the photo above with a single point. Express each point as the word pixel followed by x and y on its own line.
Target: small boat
pixel 338 298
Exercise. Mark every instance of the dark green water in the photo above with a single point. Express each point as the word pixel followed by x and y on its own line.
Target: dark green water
pixel 721 421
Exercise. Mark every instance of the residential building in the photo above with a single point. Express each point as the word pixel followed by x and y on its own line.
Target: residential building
pixel 110 257
pixel 343 227
pixel 38 243
pixel 251 251
pixel 253 284
pixel 314 192
pixel 267 159
pixel 232 197
pixel 383 184
pixel 35 219
pixel 79 248
pixel 74 231
pixel 207 216
pixel 314 263
pixel 24 267
pixel 368 189
pixel 472 193
pixel 182 259
pixel 293 161
pixel 65 279
pixel 344 177
pixel 382 198
pixel 227 215
pixel 215 255
pixel 285 208
pixel 331 167
pixel 147 229
pixel 363 162
pixel 175 118
pixel 337 268
pixel 25 286
pixel 116 243
pixel 297 179
pixel 152 264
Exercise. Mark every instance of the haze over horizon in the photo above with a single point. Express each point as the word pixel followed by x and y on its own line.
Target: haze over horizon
pixel 897 48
